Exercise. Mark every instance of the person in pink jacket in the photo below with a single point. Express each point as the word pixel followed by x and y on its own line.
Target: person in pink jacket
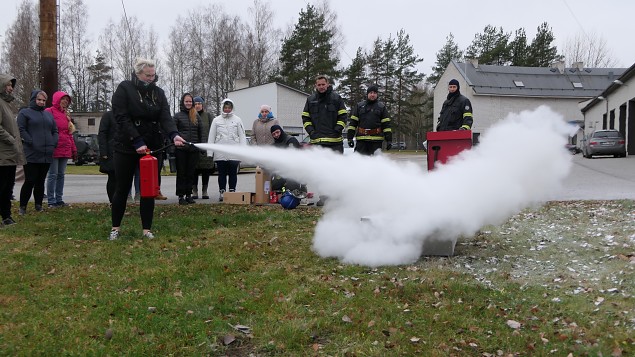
pixel 64 150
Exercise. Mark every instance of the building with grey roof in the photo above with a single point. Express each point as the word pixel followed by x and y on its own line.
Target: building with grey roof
pixel 496 91
pixel 614 108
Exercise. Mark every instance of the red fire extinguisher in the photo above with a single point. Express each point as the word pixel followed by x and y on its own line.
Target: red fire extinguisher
pixel 149 176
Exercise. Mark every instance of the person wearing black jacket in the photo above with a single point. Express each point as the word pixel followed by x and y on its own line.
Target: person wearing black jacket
pixel 282 139
pixel 456 113
pixel 142 114
pixel 106 139
pixel 370 122
pixel 189 124
pixel 324 116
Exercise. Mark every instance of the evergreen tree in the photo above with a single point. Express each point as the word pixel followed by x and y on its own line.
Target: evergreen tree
pixel 445 55
pixel 490 47
pixel 100 76
pixel 518 48
pixel 406 78
pixel 354 80
pixel 308 51
pixel 541 51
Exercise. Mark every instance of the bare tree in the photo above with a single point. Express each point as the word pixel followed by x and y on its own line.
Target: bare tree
pixel 20 51
pixel 262 44
pixel 75 53
pixel 178 63
pixel 124 42
pixel 589 48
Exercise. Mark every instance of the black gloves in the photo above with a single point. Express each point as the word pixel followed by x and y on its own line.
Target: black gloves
pixel 388 145
pixel 313 135
pixel 351 143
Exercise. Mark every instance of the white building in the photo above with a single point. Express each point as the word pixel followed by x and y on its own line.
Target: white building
pixel 614 108
pixel 496 91
pixel 286 103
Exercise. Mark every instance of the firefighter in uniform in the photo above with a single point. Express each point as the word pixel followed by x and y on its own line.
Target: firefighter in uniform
pixel 324 116
pixel 456 113
pixel 370 122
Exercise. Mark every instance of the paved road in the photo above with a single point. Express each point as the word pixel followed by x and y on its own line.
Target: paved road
pixel 590 179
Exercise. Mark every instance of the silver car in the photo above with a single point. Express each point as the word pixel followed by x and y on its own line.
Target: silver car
pixel 604 142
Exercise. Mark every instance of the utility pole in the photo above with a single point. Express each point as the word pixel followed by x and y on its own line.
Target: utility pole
pixel 48 48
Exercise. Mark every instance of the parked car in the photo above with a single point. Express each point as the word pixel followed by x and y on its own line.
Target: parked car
pixel 87 148
pixel 604 142
pixel 399 145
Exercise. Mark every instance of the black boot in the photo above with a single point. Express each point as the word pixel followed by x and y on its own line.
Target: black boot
pixel 182 200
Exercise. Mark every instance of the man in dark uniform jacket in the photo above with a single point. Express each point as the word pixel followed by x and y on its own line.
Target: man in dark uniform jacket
pixel 456 113
pixel 370 122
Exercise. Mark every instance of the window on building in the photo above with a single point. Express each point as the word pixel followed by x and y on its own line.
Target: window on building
pixel 91 121
pixel 519 83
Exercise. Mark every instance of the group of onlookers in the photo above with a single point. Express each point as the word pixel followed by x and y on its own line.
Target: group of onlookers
pixel 40 141
pixel 140 123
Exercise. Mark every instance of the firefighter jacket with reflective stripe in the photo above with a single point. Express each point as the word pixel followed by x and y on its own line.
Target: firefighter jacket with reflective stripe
pixel 370 121
pixel 456 113
pixel 324 117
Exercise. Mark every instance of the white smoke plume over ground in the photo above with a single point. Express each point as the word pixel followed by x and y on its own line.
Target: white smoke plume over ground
pixel 520 162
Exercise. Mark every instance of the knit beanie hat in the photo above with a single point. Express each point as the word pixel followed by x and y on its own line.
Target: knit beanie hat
pixel 372 88
pixel 454 82
pixel 276 127
pixel 198 100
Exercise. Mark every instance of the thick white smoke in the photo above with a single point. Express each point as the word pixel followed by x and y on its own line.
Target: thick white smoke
pixel 521 161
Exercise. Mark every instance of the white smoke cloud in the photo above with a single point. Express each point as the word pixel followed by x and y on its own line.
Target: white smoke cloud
pixel 520 162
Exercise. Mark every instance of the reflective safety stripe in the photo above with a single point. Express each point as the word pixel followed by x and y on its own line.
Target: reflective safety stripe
pixel 370 138
pixel 307 124
pixel 306 114
pixel 354 117
pixel 341 111
pixel 467 127
pixel 353 128
pixel 385 120
pixel 387 130
pixel 467 115
pixel 339 122
pixel 327 140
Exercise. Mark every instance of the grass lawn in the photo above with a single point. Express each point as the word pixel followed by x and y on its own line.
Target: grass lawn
pixel 243 281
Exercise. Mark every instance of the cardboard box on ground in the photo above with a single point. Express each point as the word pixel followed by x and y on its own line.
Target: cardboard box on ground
pixel 263 186
pixel 261 196
pixel 238 198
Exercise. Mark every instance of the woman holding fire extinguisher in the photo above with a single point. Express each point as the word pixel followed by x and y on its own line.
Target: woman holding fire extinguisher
pixel 142 114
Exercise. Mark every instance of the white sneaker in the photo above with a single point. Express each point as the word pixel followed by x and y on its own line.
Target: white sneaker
pixel 148 235
pixel 114 235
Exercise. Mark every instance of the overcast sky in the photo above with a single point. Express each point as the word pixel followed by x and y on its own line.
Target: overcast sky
pixel 427 23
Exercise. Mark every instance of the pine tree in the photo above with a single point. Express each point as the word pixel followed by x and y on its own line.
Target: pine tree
pixel 406 78
pixel 445 55
pixel 100 80
pixel 490 47
pixel 308 51
pixel 541 52
pixel 518 48
pixel 354 80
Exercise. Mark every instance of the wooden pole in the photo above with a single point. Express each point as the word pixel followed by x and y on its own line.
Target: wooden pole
pixel 48 48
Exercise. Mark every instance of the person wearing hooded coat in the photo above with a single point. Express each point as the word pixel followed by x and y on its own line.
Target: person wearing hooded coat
pixel 227 129
pixel 261 128
pixel 11 152
pixel 188 123
pixel 64 150
pixel 142 114
pixel 39 139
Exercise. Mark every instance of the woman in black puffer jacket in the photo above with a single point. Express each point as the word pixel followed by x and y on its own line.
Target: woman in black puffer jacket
pixel 189 124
